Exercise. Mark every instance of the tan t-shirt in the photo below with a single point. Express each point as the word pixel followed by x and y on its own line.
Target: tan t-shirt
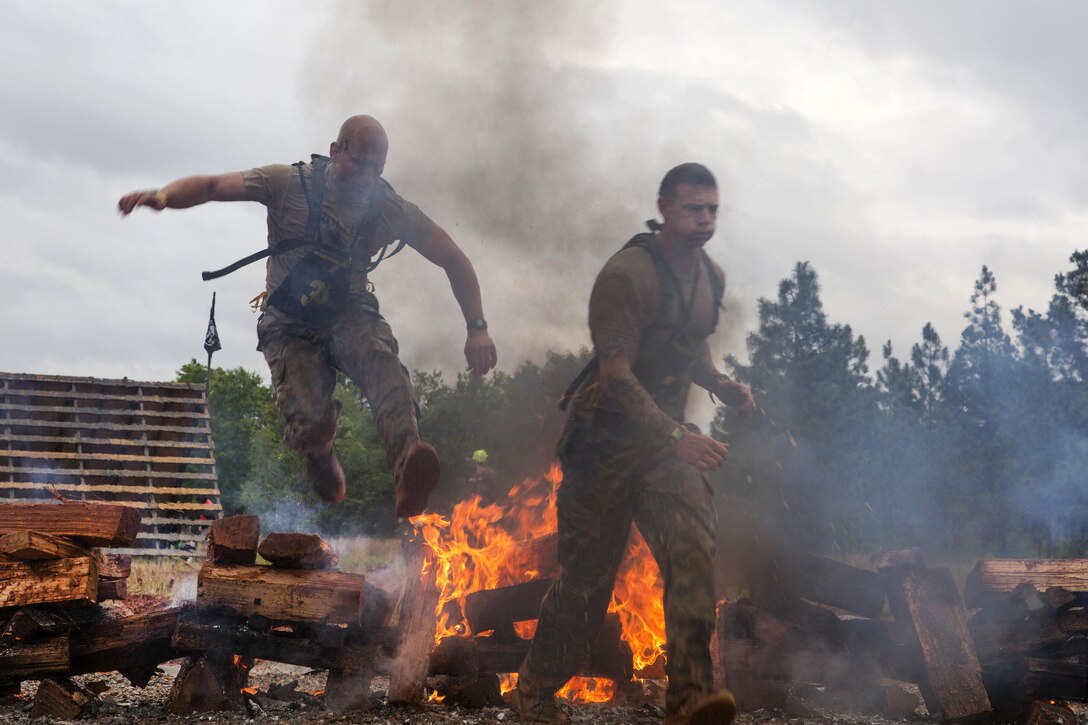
pixel 277 186
pixel 625 309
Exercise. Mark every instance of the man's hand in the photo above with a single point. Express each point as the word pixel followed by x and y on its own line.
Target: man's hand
pixel 736 396
pixel 153 198
pixel 701 451
pixel 480 352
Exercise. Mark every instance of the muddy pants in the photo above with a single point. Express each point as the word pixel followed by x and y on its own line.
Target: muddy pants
pixel 303 363
pixel 610 478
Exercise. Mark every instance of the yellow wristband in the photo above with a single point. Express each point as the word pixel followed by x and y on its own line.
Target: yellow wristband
pixel 160 196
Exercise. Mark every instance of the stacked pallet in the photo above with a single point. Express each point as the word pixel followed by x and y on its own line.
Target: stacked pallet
pixel 298 610
pixel 52 576
pixel 143 445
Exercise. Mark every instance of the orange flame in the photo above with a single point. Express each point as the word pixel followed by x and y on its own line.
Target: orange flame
pixel 486 547
pixel 251 690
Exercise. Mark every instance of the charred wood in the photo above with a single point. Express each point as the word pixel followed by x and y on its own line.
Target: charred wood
pixel 234 540
pixel 116 589
pixel 129 645
pixel 996 576
pixel 26 660
pixel 415 618
pixel 298 551
pixel 495 608
pixel 64 700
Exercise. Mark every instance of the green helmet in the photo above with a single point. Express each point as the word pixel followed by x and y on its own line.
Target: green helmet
pixel 480 456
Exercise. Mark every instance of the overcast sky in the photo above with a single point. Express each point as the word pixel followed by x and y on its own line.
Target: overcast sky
pixel 897 146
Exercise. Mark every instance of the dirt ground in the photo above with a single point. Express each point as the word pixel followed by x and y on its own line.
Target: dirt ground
pixel 123 704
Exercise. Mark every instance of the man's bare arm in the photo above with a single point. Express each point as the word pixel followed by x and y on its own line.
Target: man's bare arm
pixel 439 248
pixel 707 376
pixel 622 388
pixel 187 192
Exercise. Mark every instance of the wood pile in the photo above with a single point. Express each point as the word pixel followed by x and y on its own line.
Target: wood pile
pixel 297 610
pixel 52 626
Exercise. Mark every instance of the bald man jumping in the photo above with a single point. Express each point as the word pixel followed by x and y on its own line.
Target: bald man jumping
pixel 329 222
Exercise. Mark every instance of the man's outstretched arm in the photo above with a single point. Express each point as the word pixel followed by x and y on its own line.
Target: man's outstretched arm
pixel 440 249
pixel 187 192
pixel 707 376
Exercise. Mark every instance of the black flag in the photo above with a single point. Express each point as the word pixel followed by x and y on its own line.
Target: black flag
pixel 211 337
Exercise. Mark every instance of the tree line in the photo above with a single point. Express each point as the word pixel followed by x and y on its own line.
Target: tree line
pixel 977 450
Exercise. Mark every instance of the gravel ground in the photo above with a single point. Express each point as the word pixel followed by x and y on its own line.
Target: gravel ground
pixel 123 704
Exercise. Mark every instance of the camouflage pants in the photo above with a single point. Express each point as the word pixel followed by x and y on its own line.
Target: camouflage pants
pixel 612 478
pixel 303 363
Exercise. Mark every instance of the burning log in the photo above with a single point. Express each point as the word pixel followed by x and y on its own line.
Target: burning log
pixel 482 692
pixel 207 684
pixel 26 660
pixel 326 597
pixel 929 600
pixel 835 584
pixel 35 546
pixel 996 576
pixel 1048 712
pixel 55 581
pixel 415 616
pixel 92 524
pixel 298 551
pixel 498 608
pixel 1014 684
pixel 233 540
pixel 64 700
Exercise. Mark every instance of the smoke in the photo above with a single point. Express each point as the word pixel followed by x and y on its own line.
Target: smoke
pixel 510 126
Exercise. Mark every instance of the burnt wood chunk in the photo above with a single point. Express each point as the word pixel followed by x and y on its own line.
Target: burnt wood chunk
pixel 998 639
pixel 124 643
pixel 112 589
pixel 996 576
pixel 1047 712
pixel 53 581
pixel 24 660
pixel 234 637
pixel 415 618
pixel 34 622
pixel 36 546
pixel 495 608
pixel 473 693
pixel 92 524
pixel 1014 684
pixel 64 700
pixel 206 684
pixel 833 583
pixel 327 597
pixel 954 690
pixel 233 540
pixel 298 551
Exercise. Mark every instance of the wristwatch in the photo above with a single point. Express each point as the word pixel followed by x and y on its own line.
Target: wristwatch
pixel 477 323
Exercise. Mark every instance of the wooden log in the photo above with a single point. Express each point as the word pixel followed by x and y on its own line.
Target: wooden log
pixel 127 644
pixel 495 608
pixel 835 584
pixel 995 576
pixel 1047 712
pixel 92 524
pixel 901 699
pixel 55 581
pixel 327 597
pixel 482 692
pixel 199 687
pixel 415 618
pixel 999 639
pixel 26 660
pixel 64 700
pixel 36 546
pixel 538 558
pixel 234 540
pixel 233 637
pixel 298 551
pixel 1014 684
pixel 112 566
pixel 35 622
pixel 954 691
pixel 112 589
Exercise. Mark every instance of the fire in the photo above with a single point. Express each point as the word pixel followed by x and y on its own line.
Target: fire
pixel 485 547
pixel 251 690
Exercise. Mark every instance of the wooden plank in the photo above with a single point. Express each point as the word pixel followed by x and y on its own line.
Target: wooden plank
pixel 233 540
pixel 90 442
pixel 298 551
pixel 57 581
pixel 25 660
pixel 135 397
pixel 995 576
pixel 109 488
pixel 147 505
pixel 415 618
pixel 831 582
pixel 156 553
pixel 104 426
pixel 64 700
pixel 104 473
pixel 104 412
pixel 495 608
pixel 113 457
pixel 954 675
pixel 328 597
pixel 94 524
pixel 234 637
pixel 87 381
pixel 196 538
pixel 28 545
pixel 200 687
pixel 124 642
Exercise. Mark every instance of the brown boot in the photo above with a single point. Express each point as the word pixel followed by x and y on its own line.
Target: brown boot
pixel 326 476
pixel 419 475
pixel 717 709
pixel 531 710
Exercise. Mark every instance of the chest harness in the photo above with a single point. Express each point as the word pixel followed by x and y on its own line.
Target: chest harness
pixel 316 287
pixel 670 359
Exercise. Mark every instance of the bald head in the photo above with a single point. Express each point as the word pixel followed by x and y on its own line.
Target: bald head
pixel 363 135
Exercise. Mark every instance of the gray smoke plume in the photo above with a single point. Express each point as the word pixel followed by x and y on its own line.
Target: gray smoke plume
pixel 507 127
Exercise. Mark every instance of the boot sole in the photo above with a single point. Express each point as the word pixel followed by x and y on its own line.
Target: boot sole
pixel 420 475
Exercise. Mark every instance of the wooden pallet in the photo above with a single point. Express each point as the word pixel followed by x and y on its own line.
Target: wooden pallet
pixel 146 445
